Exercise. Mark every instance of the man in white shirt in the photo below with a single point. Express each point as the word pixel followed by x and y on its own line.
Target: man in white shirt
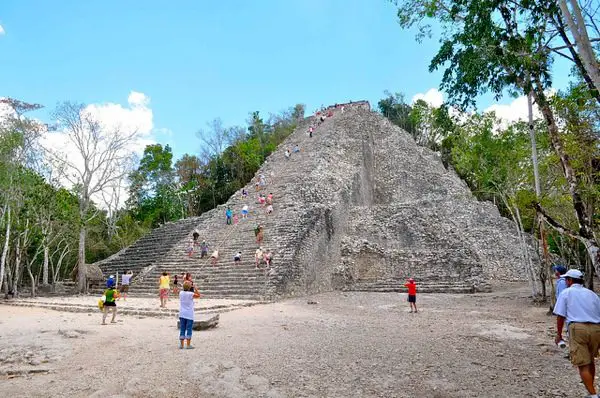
pixel 125 281
pixel 580 307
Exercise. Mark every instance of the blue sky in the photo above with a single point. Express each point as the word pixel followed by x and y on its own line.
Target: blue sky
pixel 198 60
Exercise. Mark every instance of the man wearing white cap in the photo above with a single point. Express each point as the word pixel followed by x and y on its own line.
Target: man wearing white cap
pixel 581 309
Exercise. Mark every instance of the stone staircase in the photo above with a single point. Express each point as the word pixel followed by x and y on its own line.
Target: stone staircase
pixel 226 279
pixel 137 306
pixel 148 249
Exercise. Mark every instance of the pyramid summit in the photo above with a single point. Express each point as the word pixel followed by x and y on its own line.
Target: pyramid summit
pixel 357 206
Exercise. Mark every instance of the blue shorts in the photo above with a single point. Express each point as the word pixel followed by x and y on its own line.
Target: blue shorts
pixel 244 211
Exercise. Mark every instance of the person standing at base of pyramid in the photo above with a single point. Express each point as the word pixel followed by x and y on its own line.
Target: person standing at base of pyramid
pixel 580 308
pixel 110 294
pixel 125 281
pixel 186 314
pixel 164 284
pixel 412 294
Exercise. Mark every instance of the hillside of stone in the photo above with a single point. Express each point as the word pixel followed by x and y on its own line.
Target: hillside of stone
pixel 360 207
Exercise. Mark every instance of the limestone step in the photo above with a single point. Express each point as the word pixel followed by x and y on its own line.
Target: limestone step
pixel 123 310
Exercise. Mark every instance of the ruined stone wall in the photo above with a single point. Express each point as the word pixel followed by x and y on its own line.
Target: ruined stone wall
pixel 426 223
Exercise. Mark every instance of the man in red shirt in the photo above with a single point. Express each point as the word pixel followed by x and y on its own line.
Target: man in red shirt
pixel 412 294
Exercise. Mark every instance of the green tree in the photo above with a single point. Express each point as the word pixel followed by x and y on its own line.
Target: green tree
pixel 395 108
pixel 153 190
pixel 495 46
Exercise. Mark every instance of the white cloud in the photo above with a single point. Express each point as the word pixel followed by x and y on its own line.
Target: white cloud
pixel 2 31
pixel 433 97
pixel 138 99
pixel 513 112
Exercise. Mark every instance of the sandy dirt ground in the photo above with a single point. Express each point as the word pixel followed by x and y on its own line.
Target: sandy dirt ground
pixel 346 345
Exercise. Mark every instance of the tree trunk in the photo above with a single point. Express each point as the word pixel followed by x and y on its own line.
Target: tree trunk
pixel 17 274
pixel 32 279
pixel 560 27
pixel 576 24
pixel 81 266
pixel 45 266
pixel 5 248
pixel 56 272
pixel 585 233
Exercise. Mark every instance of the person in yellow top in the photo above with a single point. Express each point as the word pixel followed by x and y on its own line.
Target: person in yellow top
pixel 164 285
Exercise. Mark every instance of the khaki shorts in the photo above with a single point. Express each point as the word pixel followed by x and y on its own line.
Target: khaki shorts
pixel 584 343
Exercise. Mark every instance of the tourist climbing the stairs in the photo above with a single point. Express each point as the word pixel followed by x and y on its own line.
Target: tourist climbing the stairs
pixel 258 232
pixel 287 153
pixel 237 257
pixel 164 284
pixel 175 284
pixel 235 219
pixel 269 199
pixel 214 258
pixel 268 257
pixel 296 148
pixel 310 131
pixel 412 294
pixel 186 313
pixel 269 209
pixel 190 248
pixel 262 181
pixel 244 193
pixel 228 215
pixel 203 249
pixel 261 199
pixel 196 235
pixel 245 211
pixel 258 256
pixel 188 277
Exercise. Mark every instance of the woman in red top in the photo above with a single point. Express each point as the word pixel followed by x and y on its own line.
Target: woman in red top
pixel 412 294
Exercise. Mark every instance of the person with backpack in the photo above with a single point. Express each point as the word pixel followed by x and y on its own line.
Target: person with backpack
pixel 110 296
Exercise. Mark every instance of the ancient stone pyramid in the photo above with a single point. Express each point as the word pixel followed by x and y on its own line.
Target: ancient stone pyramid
pixel 361 207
